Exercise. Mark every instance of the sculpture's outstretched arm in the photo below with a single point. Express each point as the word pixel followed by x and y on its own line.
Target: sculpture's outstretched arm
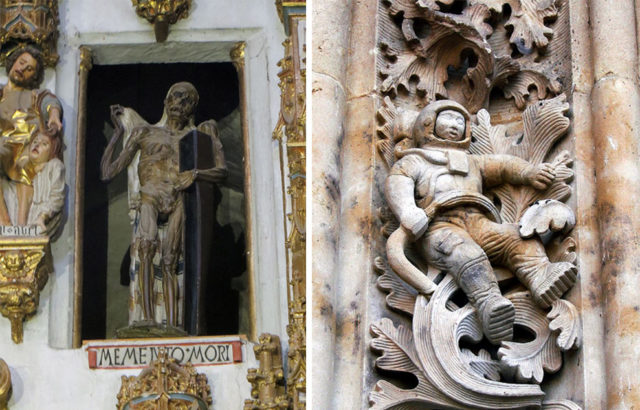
pixel 500 169
pixel 111 168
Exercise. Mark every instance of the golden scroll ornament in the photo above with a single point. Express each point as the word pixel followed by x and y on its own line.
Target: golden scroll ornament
pixel 165 384
pixel 25 265
pixel 161 13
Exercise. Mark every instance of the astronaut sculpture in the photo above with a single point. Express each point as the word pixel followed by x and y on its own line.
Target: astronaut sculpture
pixel 436 192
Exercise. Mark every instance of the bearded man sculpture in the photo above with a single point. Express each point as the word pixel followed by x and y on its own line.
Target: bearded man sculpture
pixel 436 192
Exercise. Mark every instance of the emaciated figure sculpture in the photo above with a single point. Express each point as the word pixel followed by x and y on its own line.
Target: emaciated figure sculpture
pixel 436 192
pixel 156 191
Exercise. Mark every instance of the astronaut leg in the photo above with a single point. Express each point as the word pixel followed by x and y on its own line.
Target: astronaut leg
pixel 527 258
pixel 450 248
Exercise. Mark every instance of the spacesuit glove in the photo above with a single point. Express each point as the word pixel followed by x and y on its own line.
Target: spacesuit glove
pixel 540 176
pixel 415 221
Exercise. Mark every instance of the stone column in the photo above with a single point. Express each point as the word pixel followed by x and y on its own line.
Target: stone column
pixel 331 31
pixel 616 135
pixel 354 275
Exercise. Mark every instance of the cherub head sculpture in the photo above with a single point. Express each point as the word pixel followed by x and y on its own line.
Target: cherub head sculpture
pixel 443 124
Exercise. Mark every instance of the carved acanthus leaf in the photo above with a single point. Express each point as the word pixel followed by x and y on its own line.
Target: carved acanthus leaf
pixel 560 405
pixel 527 21
pixel 531 359
pixel 394 129
pixel 519 85
pixel 562 250
pixel 400 296
pixel 482 363
pixel 422 63
pixel 565 320
pixel 399 355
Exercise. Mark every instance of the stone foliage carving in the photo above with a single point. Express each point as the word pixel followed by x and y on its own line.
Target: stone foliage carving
pixel 478 255
pixel 433 50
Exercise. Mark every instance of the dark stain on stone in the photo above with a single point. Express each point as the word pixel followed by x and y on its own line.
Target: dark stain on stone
pixel 353 305
pixel 326 310
pixel 333 188
pixel 357 337
pixel 364 226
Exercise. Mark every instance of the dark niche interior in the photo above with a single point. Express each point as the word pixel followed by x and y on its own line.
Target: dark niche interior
pixel 107 228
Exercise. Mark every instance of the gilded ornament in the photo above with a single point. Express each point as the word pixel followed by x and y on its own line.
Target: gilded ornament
pixel 25 265
pixel 33 22
pixel 161 13
pixel 267 382
pixel 86 59
pixel 289 8
pixel 165 384
pixel 5 385
pixel 290 132
pixel 237 55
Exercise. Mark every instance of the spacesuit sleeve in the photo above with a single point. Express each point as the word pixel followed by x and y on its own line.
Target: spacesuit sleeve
pixel 500 169
pixel 400 194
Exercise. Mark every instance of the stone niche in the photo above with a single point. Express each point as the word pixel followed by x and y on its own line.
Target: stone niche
pixel 143 87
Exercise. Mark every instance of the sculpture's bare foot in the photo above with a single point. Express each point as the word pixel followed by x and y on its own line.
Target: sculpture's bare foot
pixel 498 316
pixel 549 285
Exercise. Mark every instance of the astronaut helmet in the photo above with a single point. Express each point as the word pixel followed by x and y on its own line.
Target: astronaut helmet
pixel 443 124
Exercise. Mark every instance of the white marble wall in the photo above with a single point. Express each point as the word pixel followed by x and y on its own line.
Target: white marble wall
pixel 47 372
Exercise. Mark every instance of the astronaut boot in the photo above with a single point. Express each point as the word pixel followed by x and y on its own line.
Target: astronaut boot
pixel 496 313
pixel 549 281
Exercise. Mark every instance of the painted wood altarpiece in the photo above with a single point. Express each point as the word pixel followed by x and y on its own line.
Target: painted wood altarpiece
pixel 33 175
pixel 472 126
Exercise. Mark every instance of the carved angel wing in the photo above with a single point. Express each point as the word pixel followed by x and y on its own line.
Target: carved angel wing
pixel 130 120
